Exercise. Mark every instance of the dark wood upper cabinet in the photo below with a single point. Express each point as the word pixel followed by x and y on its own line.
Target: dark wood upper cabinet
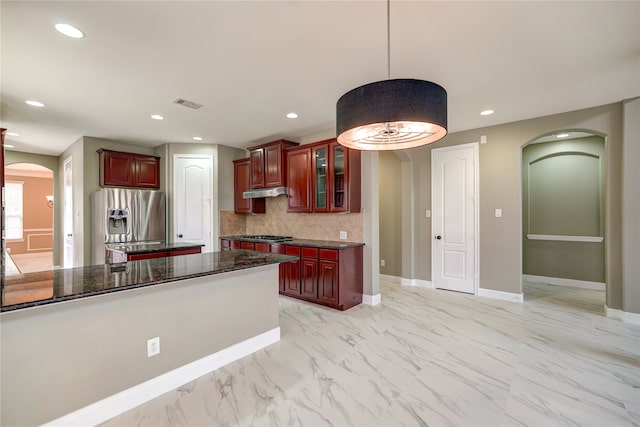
pixel 256 158
pixel 267 164
pixel 329 173
pixel 299 179
pixel 241 178
pixel 120 169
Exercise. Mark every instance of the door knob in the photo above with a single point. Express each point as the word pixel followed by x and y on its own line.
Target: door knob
pixel 69 235
pixel 180 236
pixel 439 237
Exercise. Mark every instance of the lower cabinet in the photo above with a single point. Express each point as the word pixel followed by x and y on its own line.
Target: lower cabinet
pixel 309 273
pixel 328 282
pixel 331 277
pixel 290 284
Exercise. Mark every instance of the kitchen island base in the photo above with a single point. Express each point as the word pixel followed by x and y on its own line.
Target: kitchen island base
pixel 80 358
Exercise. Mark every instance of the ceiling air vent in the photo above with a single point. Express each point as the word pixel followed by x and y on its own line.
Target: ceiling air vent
pixel 188 104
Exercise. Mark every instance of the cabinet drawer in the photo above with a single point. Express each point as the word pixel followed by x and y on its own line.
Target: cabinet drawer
pixel 292 250
pixel 309 252
pixel 277 248
pixel 248 246
pixel 331 254
pixel 262 247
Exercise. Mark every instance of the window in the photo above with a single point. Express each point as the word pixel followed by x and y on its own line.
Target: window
pixel 13 212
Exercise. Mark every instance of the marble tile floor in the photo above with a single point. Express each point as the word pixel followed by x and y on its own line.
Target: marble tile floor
pixel 425 357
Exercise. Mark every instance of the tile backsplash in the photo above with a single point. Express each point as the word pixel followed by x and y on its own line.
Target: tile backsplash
pixel 276 220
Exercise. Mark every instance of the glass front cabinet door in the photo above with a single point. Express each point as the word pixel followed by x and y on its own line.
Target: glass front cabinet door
pixel 320 184
pixel 339 168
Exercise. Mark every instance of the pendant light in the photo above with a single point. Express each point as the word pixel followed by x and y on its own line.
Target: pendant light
pixel 392 114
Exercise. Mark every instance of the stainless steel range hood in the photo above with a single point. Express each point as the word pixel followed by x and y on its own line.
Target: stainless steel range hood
pixel 264 192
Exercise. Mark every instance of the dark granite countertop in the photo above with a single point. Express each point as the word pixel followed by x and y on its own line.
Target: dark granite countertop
pixel 326 244
pixel 139 248
pixel 34 289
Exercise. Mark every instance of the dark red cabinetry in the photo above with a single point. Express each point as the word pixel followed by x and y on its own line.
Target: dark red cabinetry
pixel 327 276
pixel 267 164
pixel 120 169
pixel 299 180
pixel 241 171
pixel 117 256
pixel 291 273
pixel 323 177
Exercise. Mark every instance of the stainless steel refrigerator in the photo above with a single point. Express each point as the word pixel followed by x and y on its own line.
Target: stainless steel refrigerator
pixel 121 215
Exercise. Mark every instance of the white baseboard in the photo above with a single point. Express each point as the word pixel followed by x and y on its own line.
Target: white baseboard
pixel 107 408
pixel 418 283
pixel 407 282
pixel 559 281
pixel 371 299
pixel 614 313
pixel 505 296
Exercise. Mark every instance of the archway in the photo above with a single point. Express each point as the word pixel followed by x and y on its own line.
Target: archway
pixel 563 219
pixel 29 197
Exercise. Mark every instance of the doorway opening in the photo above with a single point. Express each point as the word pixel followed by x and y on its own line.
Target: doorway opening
pixel 29 218
pixel 563 220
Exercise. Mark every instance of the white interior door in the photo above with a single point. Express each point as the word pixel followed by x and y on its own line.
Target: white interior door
pixel 454 191
pixel 67 214
pixel 193 199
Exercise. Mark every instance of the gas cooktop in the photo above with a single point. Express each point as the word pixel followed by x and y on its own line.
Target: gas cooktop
pixel 269 238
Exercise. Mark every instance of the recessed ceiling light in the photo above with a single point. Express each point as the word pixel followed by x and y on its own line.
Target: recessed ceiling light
pixel 157 117
pixel 197 138
pixel 8 146
pixel 486 112
pixel 70 31
pixel 292 116
pixel 12 134
pixel 35 103
pixel 562 135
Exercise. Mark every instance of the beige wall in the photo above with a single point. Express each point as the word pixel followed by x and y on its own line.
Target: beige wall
pixel 563 194
pixel 500 187
pixel 58 358
pixel 390 213
pixel 631 208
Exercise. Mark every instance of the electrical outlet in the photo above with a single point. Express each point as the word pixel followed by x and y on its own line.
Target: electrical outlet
pixel 343 235
pixel 153 346
pixel 381 263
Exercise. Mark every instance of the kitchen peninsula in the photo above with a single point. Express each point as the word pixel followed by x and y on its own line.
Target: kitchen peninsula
pixel 76 340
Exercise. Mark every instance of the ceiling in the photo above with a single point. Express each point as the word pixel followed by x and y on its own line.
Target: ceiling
pixel 251 63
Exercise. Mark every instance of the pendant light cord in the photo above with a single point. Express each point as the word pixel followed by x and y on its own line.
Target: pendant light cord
pixel 388 39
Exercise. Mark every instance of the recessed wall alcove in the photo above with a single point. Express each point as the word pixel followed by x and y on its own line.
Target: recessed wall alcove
pixel 563 188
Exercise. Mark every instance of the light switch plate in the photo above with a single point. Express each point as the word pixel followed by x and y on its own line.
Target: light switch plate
pixel 427 214
pixel 498 213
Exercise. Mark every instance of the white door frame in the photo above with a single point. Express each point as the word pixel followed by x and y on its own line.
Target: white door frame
pixel 212 193
pixel 67 209
pixel 476 212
